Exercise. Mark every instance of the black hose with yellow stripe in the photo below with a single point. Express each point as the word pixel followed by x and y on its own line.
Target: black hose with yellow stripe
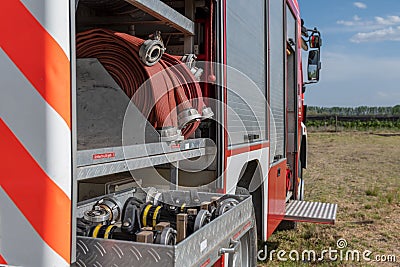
pixel 151 214
pixel 104 231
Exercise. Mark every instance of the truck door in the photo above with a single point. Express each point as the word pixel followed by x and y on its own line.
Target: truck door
pixel 277 102
pixel 291 92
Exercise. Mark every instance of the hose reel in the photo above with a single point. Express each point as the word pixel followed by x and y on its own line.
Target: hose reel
pixel 131 61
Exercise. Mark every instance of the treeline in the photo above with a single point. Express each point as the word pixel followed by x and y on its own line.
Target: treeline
pixel 353 118
pixel 338 124
pixel 353 111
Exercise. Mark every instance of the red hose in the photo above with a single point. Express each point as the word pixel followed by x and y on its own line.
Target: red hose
pixel 118 53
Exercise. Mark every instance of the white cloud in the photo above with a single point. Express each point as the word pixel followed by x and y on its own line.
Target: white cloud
pixel 386 34
pixel 360 5
pixel 389 20
pixel 379 29
pixel 375 23
pixel 357 21
pixel 346 22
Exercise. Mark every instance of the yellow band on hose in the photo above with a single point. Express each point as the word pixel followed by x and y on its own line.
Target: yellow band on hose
pixel 155 215
pixel 107 232
pixel 96 230
pixel 183 207
pixel 146 210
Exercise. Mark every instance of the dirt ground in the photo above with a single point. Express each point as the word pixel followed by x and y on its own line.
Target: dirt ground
pixel 360 172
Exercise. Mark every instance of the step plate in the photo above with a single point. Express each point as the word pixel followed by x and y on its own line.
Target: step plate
pixel 316 212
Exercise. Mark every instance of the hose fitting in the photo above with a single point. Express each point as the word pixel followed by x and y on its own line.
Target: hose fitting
pixel 151 51
pixel 188 116
pixel 207 113
pixel 170 134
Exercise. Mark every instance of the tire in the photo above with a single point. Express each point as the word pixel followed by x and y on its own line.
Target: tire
pixel 246 256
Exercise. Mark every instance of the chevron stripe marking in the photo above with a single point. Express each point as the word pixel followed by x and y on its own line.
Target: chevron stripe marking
pixel 37 55
pixel 43 203
pixel 2 260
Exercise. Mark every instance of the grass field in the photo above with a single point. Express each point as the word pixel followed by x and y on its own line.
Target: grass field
pixel 360 172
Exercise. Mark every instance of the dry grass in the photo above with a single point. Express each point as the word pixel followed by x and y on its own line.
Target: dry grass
pixel 361 173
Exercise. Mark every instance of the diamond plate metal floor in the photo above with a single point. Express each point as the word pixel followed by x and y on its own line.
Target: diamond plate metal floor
pixel 316 212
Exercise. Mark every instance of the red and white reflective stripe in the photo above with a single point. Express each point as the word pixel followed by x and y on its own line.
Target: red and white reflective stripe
pixel 36 124
pixel 37 55
pixel 54 17
pixel 2 260
pixel 20 243
pixel 35 110
pixel 39 199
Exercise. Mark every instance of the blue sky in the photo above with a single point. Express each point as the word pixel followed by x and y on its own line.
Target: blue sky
pixel 360 53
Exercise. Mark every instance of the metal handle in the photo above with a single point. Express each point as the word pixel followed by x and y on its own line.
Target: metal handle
pixel 231 250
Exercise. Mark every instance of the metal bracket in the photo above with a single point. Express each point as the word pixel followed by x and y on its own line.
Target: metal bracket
pixel 234 246
pixel 166 14
pixel 174 175
pixel 194 196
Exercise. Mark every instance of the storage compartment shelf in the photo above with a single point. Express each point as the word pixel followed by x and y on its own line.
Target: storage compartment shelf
pixel 104 161
pixel 166 14
pixel 125 12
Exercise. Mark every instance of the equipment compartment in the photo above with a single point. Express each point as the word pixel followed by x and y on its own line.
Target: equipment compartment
pixel 202 247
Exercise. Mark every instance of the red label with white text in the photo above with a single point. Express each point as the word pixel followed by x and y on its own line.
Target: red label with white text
pixel 104 155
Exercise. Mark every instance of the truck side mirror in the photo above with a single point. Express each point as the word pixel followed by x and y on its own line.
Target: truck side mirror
pixel 314 65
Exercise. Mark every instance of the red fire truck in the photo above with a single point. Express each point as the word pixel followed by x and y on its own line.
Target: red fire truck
pixel 152 133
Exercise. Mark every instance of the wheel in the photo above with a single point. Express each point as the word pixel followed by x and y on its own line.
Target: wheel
pixel 246 255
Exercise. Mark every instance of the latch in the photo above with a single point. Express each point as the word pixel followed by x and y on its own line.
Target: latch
pixel 251 137
pixel 233 248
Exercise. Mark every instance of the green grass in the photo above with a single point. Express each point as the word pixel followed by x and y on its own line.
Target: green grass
pixel 354 125
pixel 372 192
pixel 361 173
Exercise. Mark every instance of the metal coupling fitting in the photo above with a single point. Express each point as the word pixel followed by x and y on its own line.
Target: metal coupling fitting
pixel 190 61
pixel 169 134
pixel 207 113
pixel 188 116
pixel 112 206
pixel 197 72
pixel 151 51
pixel 97 215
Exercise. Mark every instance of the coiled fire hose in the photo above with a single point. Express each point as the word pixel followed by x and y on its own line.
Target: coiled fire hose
pixel 172 93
